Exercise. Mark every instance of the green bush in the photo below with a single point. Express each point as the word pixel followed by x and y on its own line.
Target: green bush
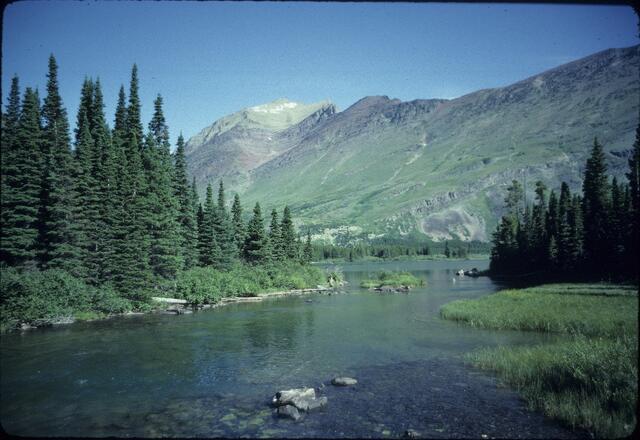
pixel 41 298
pixel 394 279
pixel 203 285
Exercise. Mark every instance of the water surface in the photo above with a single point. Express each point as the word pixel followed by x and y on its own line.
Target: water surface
pixel 212 373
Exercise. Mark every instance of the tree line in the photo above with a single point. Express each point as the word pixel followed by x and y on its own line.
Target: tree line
pixel 590 235
pixel 118 207
pixel 389 249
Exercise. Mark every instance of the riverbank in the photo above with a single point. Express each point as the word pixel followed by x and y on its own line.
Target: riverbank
pixel 42 298
pixel 588 380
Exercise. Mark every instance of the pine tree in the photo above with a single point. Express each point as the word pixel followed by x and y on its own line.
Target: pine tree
pixel 539 236
pixel 505 247
pixel 223 228
pixel 595 210
pixel 21 183
pixel 209 251
pixel 186 212
pixel 8 155
pixel 162 211
pixel 288 236
pixel 58 236
pixel 132 273
pixel 105 166
pixel 633 249
pixel 239 230
pixel 255 240
pixel 134 124
pixel 276 248
pixel 85 109
pixel 447 252
pixel 307 254
pixel 617 227
pixel 564 231
pixel 10 121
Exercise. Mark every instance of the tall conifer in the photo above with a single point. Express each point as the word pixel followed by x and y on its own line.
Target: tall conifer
pixel 21 187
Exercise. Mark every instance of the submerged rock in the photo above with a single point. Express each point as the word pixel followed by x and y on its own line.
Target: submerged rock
pixel 343 381
pixel 288 411
pixel 411 433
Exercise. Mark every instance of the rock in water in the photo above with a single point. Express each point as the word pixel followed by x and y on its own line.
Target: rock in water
pixel 343 381
pixel 303 399
pixel 309 403
pixel 286 397
pixel 411 433
pixel 288 411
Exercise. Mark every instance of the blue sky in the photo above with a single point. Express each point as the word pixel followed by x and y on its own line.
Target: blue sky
pixel 210 59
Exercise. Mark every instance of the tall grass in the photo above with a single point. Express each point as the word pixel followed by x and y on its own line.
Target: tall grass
pixel 582 310
pixel 590 380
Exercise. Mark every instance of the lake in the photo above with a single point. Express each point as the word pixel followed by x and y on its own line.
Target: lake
pixel 212 373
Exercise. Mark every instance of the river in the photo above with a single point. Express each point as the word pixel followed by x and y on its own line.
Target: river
pixel 212 373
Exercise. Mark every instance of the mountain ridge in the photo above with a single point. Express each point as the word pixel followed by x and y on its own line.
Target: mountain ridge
pixel 439 167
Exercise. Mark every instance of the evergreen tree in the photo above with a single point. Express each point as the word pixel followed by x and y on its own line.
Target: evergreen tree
pixel 255 240
pixel 8 156
pixel 239 231
pixel 21 183
pixel 223 228
pixel 564 231
pixel 595 210
pixel 132 272
pixel 447 252
pixel 162 210
pixel 85 109
pixel 539 237
pixel 307 254
pixel 106 171
pixel 58 236
pixel 288 236
pixel 209 251
pixel 10 122
pixel 186 212
pixel 633 249
pixel 276 248
pixel 504 253
pixel 133 121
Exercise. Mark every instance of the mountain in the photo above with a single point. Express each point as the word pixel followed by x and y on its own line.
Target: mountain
pixel 384 167
pixel 238 143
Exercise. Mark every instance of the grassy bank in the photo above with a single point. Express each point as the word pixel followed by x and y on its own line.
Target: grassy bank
pixel 588 380
pixel 40 298
pixel 393 279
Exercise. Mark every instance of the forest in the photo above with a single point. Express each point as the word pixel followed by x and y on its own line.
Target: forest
pixel 111 215
pixel 592 236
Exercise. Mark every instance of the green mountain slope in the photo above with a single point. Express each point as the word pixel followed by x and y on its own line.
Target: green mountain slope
pixel 238 143
pixel 440 167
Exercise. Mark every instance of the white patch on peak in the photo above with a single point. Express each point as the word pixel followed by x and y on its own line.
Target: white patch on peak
pixel 273 107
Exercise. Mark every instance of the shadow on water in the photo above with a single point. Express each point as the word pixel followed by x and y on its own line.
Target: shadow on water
pixel 211 373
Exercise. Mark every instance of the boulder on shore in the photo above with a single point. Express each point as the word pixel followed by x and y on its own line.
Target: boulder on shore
pixel 343 381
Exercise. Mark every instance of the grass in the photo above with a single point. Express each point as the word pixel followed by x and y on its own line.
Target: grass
pixel 585 309
pixel 589 380
pixel 393 279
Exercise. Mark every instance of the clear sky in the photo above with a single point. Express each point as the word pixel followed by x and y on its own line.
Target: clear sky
pixel 210 59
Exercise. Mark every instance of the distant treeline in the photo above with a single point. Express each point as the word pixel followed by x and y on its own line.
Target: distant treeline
pixel 117 208
pixel 593 235
pixel 391 249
